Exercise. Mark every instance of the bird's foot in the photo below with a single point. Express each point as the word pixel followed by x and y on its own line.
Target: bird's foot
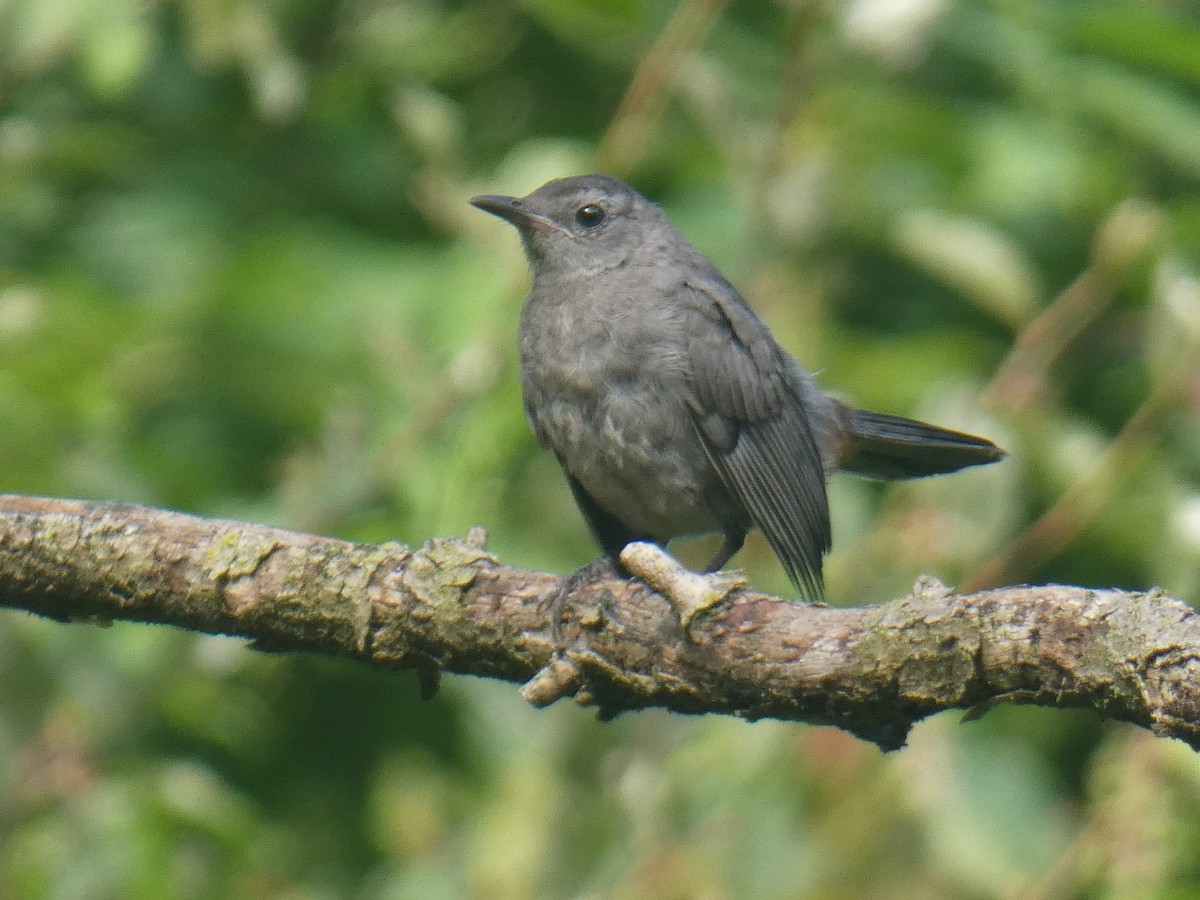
pixel 690 593
pixel 597 569
pixel 561 677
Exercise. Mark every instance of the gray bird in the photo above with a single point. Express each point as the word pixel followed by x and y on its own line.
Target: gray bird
pixel 668 403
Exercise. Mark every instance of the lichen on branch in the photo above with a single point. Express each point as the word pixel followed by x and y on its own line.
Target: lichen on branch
pixel 686 645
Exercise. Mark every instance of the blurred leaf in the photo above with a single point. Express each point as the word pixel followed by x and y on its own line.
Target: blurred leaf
pixel 976 260
pixel 1137 35
pixel 1152 113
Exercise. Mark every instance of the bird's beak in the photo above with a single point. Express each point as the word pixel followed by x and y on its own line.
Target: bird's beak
pixel 511 210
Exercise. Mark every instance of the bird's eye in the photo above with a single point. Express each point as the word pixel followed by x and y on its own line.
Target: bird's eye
pixel 590 215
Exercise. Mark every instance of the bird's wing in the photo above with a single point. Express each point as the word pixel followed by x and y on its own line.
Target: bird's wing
pixel 751 419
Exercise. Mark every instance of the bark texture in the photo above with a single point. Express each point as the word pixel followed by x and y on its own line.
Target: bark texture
pixel 689 643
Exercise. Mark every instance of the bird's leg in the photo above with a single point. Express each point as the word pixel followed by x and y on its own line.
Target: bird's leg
pixel 603 567
pixel 608 566
pixel 561 677
pixel 731 545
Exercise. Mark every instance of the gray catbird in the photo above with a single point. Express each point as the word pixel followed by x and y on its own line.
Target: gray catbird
pixel 670 406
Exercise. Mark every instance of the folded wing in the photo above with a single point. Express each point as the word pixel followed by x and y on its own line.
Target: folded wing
pixel 752 422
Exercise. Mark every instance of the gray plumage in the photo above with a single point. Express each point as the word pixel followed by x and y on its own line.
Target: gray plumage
pixel 670 406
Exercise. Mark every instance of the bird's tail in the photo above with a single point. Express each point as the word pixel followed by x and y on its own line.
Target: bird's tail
pixel 881 446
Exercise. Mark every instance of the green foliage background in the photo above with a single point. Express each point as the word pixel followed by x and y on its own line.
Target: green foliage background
pixel 238 276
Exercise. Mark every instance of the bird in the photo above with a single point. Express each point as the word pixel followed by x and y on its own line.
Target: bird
pixel 671 408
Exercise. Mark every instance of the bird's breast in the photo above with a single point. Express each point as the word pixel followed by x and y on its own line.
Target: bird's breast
pixel 609 395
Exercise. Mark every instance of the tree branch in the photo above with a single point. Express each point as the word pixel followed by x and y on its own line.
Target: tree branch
pixel 707 646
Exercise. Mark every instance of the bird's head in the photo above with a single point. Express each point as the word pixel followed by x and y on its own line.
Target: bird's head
pixel 583 224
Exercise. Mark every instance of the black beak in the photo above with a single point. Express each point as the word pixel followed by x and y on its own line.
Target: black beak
pixel 511 210
pixel 499 205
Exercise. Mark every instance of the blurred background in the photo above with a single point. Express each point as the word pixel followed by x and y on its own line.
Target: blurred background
pixel 239 277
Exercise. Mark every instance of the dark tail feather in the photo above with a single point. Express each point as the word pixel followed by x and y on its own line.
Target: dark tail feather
pixel 882 446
